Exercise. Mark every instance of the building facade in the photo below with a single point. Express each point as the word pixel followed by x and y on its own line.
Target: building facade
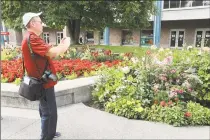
pixel 183 22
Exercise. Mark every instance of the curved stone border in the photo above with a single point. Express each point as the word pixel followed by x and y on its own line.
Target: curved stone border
pixel 66 92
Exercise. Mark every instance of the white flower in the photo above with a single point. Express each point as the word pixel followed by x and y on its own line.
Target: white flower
pixel 156 86
pixel 200 52
pixel 153 47
pixel 160 50
pixel 134 60
pixel 126 70
pixel 114 97
pixel 189 47
pixel 74 50
pixel 143 59
pixel 170 53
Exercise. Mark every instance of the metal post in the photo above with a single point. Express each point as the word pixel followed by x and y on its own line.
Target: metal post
pixel 106 36
pixel 157 24
pixel 2 37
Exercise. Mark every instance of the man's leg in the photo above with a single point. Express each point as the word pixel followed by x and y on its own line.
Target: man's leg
pixel 48 114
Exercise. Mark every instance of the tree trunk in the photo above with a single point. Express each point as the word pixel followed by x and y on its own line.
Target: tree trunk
pixel 74 30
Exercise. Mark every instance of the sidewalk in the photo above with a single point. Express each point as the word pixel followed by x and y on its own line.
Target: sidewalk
pixel 81 122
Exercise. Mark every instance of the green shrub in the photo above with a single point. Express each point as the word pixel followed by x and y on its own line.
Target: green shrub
pixel 199 115
pixel 170 115
pixel 113 84
pixel 9 54
pixel 202 64
pixel 126 107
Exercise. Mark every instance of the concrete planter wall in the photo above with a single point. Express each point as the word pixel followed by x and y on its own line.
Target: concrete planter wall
pixel 66 92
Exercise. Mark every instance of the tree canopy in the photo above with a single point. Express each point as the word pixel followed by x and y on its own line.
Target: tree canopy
pixel 91 15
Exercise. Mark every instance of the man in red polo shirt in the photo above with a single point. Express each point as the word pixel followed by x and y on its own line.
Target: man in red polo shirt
pixel 44 52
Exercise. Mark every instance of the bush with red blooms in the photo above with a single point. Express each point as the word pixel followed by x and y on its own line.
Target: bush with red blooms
pixel 12 69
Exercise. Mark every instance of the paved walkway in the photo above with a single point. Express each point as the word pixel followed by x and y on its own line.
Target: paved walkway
pixel 81 122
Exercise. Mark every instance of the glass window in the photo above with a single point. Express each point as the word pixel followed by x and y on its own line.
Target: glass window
pixel 127 37
pixel 166 4
pixel 186 3
pixel 206 2
pixel 101 37
pixel 173 38
pixel 198 38
pixel 59 37
pixel 197 3
pixel 90 37
pixel 207 39
pixel 146 38
pixel 46 37
pixel 181 39
pixel 174 4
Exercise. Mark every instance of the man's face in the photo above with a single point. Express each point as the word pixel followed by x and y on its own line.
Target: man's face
pixel 37 24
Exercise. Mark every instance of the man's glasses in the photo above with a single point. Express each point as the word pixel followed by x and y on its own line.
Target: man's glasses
pixel 38 21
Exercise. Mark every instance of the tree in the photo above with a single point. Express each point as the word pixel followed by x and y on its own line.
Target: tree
pixel 75 15
pixel 12 12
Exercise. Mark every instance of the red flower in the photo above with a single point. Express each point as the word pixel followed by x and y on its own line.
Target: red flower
pixel 148 52
pixel 187 114
pixel 162 103
pixel 107 52
pixel 170 103
pixel 176 99
pixel 13 69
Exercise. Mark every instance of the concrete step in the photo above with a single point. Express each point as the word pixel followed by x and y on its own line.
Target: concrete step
pixel 66 92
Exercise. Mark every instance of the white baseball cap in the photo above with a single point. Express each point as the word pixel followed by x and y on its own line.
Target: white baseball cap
pixel 28 16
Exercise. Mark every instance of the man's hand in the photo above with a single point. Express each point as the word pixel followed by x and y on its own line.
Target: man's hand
pixel 66 41
pixel 60 49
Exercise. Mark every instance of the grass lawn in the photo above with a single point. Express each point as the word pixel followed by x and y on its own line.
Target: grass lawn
pixel 138 51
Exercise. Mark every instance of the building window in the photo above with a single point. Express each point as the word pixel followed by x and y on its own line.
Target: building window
pixel 127 37
pixel 59 37
pixel 101 37
pixel 46 37
pixel 166 4
pixel 198 38
pixel 202 38
pixel 206 2
pixel 146 38
pixel 174 4
pixel 177 37
pixel 197 3
pixel 207 39
pixel 184 3
pixel 90 37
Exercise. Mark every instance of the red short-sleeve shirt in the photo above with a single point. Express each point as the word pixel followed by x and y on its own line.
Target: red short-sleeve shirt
pixel 40 48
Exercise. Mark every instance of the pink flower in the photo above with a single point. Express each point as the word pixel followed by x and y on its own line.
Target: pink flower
pixel 189 90
pixel 173 71
pixel 172 93
pixel 163 78
pixel 180 91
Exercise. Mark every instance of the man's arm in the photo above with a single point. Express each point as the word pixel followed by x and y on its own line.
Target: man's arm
pixel 61 48
pixel 41 48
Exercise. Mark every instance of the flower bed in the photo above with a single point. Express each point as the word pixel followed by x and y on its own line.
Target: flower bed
pixel 66 69
pixel 72 64
pixel 165 86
